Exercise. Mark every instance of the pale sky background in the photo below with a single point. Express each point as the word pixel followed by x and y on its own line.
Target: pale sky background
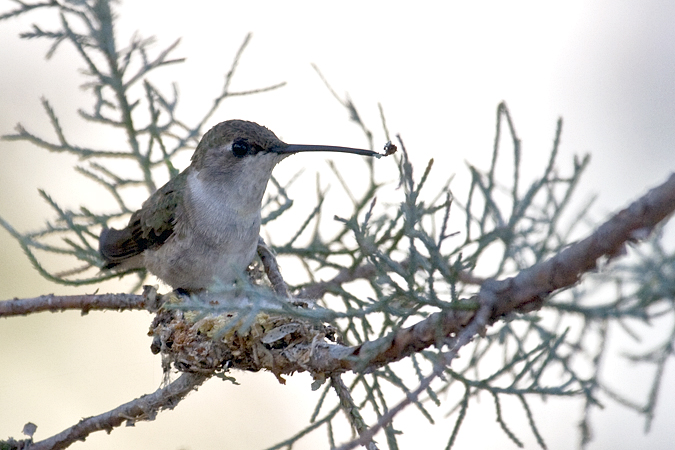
pixel 439 70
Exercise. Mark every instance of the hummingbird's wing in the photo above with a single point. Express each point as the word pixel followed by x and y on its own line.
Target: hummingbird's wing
pixel 148 228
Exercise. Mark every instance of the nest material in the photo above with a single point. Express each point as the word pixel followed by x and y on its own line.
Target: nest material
pixel 216 343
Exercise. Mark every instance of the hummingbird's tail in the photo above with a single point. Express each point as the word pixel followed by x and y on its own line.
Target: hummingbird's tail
pixel 117 247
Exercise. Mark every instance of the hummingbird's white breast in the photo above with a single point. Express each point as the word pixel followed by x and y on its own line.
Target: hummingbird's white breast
pixel 216 231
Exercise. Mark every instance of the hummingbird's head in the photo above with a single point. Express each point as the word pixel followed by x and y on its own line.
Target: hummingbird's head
pixel 231 145
pixel 247 152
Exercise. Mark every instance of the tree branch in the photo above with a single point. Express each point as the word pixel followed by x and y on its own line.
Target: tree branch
pixel 86 303
pixel 142 408
pixel 524 292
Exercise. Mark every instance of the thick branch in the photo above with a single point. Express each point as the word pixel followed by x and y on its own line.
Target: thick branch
pixel 524 292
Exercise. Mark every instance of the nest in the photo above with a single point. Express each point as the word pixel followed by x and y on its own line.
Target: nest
pixel 218 342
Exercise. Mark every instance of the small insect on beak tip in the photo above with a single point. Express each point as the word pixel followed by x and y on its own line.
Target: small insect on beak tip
pixel 389 149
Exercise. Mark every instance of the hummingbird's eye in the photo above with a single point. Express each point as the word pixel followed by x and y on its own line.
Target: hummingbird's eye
pixel 240 148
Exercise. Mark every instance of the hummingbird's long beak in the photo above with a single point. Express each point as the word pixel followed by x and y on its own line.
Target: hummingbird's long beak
pixel 389 148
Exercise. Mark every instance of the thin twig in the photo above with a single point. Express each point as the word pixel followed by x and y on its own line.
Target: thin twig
pixel 272 269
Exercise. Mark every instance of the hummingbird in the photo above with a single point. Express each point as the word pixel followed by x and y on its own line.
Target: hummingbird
pixel 202 227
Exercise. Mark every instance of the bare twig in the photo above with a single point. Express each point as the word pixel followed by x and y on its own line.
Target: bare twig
pixel 272 269
pixel 86 302
pixel 142 408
